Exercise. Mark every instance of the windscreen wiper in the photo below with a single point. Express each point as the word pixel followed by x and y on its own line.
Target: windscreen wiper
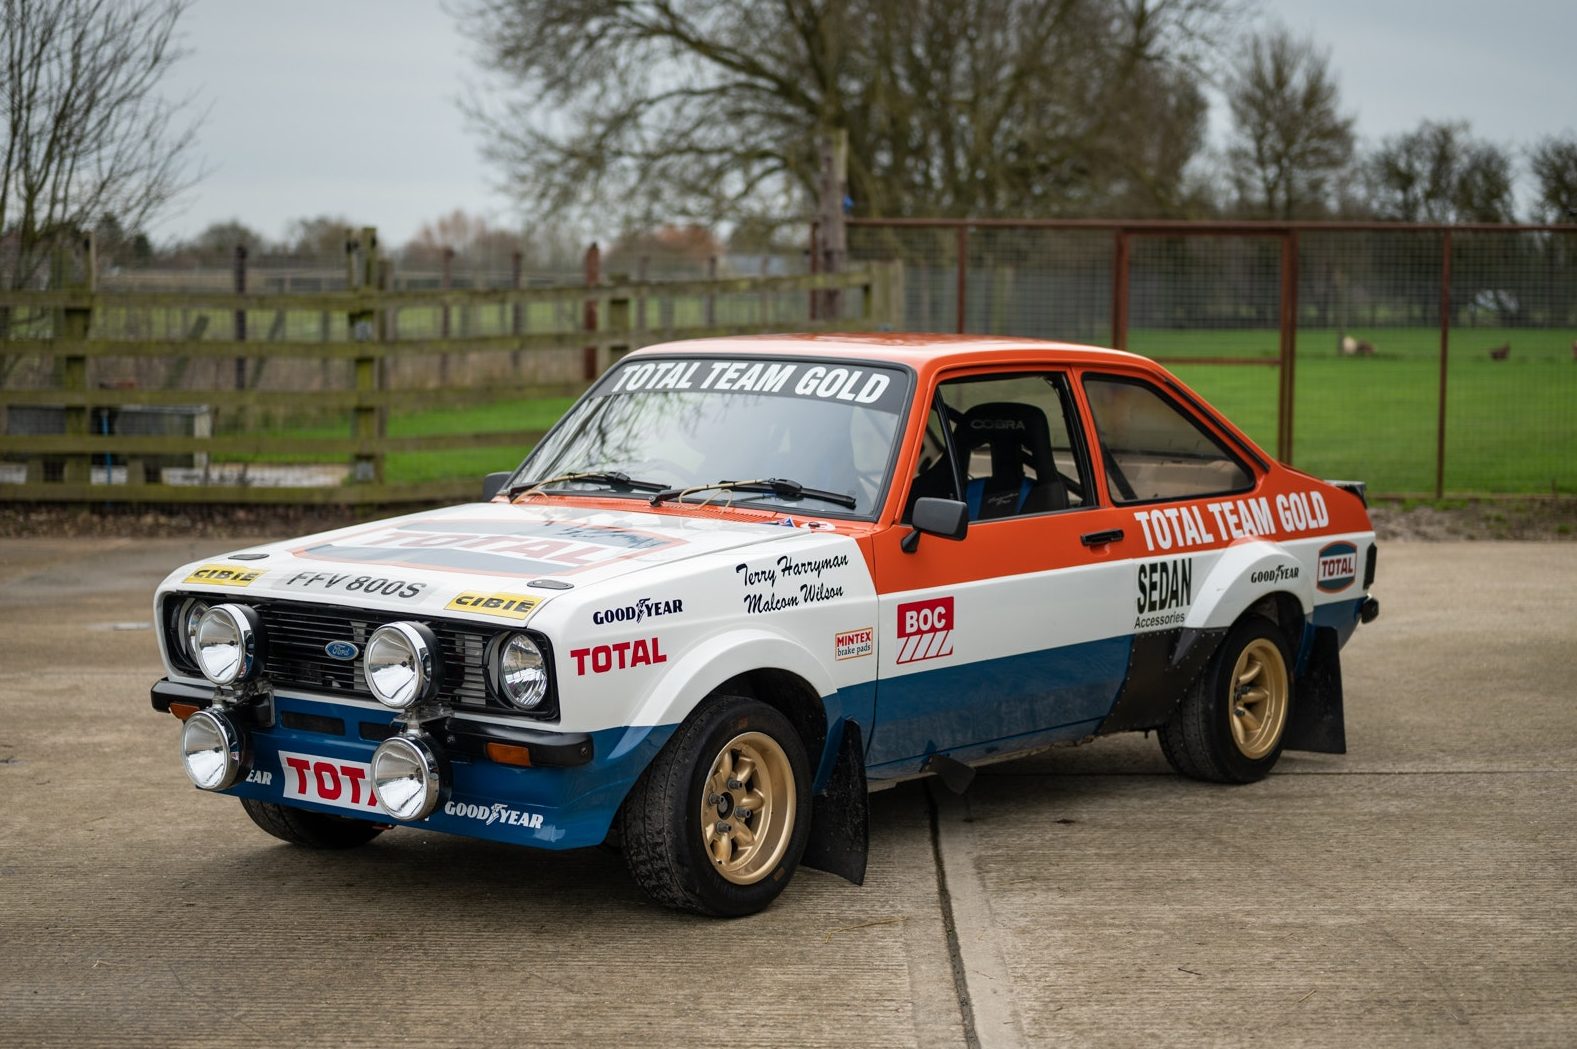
pixel 609 477
pixel 778 486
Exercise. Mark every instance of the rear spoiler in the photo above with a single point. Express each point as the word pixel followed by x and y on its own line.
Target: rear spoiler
pixel 1358 488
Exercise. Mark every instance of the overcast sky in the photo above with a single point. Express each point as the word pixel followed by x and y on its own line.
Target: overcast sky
pixel 349 107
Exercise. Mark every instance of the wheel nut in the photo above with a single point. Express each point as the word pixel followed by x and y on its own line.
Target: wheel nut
pixel 734 784
pixel 1240 712
pixel 723 828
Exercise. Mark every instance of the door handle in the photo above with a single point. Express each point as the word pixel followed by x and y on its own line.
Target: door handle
pixel 1111 535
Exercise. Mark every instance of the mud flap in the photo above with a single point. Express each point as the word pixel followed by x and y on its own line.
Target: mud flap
pixel 840 814
pixel 1317 722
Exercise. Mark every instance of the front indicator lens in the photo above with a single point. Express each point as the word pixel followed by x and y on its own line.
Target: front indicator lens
pixel 407 777
pixel 522 672
pixel 213 750
pixel 400 666
pixel 228 644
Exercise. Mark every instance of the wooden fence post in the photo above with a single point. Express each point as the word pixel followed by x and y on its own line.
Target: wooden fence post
pixel 711 298
pixel 446 283
pixel 834 234
pixel 240 315
pixel 72 326
pixel 369 418
pixel 589 356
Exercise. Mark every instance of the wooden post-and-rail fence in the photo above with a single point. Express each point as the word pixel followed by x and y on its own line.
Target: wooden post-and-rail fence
pixel 606 319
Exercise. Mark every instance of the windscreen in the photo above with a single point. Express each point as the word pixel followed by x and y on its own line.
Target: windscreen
pixel 683 423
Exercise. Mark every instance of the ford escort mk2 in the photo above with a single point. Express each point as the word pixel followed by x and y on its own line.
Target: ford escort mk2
pixel 743 582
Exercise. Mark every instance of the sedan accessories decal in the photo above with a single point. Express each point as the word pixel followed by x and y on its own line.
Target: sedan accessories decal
pixel 225 575
pixel 506 606
pixel 1166 589
pixel 925 629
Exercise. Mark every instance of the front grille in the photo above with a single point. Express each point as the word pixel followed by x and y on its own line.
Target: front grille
pixel 298 633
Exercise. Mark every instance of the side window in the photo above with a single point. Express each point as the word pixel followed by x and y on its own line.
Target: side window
pixel 1153 449
pixel 1014 447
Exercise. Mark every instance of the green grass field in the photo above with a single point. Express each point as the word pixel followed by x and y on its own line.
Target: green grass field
pixel 1511 425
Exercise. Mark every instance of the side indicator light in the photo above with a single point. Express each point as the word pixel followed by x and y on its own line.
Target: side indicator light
pixel 509 754
pixel 184 710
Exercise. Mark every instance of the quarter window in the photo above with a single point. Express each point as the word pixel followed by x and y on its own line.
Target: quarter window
pixel 1154 450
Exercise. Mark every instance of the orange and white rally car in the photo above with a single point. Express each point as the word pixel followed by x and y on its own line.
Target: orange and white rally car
pixel 744 581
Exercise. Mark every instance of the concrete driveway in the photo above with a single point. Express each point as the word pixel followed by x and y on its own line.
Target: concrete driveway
pixel 1421 890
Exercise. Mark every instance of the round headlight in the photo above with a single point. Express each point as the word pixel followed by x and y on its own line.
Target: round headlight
pixel 401 664
pixel 407 777
pixel 185 633
pixel 522 672
pixel 213 750
pixel 228 643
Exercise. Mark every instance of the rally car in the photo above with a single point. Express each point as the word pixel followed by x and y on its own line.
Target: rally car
pixel 745 581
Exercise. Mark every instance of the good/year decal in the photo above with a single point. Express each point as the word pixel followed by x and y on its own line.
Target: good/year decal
pixel 1183 527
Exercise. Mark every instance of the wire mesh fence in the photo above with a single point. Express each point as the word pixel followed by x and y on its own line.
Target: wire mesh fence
pixel 1425 360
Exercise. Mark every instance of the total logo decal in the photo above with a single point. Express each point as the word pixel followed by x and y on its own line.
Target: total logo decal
pixel 454 545
pixel 624 655
pixel 643 607
pixel 343 784
pixel 505 606
pixel 1337 567
pixel 1184 527
pixel 925 629
pixel 1166 589
pixel 852 644
pixel 225 575
pixel 497 812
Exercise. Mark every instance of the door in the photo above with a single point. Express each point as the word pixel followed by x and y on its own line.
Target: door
pixel 1015 635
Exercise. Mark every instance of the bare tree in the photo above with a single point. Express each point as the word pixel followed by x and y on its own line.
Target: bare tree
pixel 713 108
pixel 88 135
pixel 1554 165
pixel 1291 141
pixel 1439 172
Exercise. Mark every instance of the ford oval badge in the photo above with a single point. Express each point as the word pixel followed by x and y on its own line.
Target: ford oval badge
pixel 341 650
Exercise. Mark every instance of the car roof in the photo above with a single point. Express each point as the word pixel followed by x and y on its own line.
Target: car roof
pixel 922 352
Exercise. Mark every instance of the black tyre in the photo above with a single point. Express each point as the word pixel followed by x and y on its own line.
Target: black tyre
pixel 717 823
pixel 1230 726
pixel 312 829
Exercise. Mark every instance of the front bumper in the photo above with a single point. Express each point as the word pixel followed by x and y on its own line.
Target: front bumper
pixel 312 753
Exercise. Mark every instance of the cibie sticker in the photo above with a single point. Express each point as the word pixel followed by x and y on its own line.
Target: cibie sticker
pixel 925 629
pixel 1337 568
pixel 225 575
pixel 506 606
pixel 852 644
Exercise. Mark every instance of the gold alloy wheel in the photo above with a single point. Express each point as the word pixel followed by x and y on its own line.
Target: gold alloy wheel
pixel 1259 698
pixel 747 808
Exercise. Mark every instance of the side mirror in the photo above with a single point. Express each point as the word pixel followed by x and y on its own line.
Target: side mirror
pixel 492 484
pixel 947 518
